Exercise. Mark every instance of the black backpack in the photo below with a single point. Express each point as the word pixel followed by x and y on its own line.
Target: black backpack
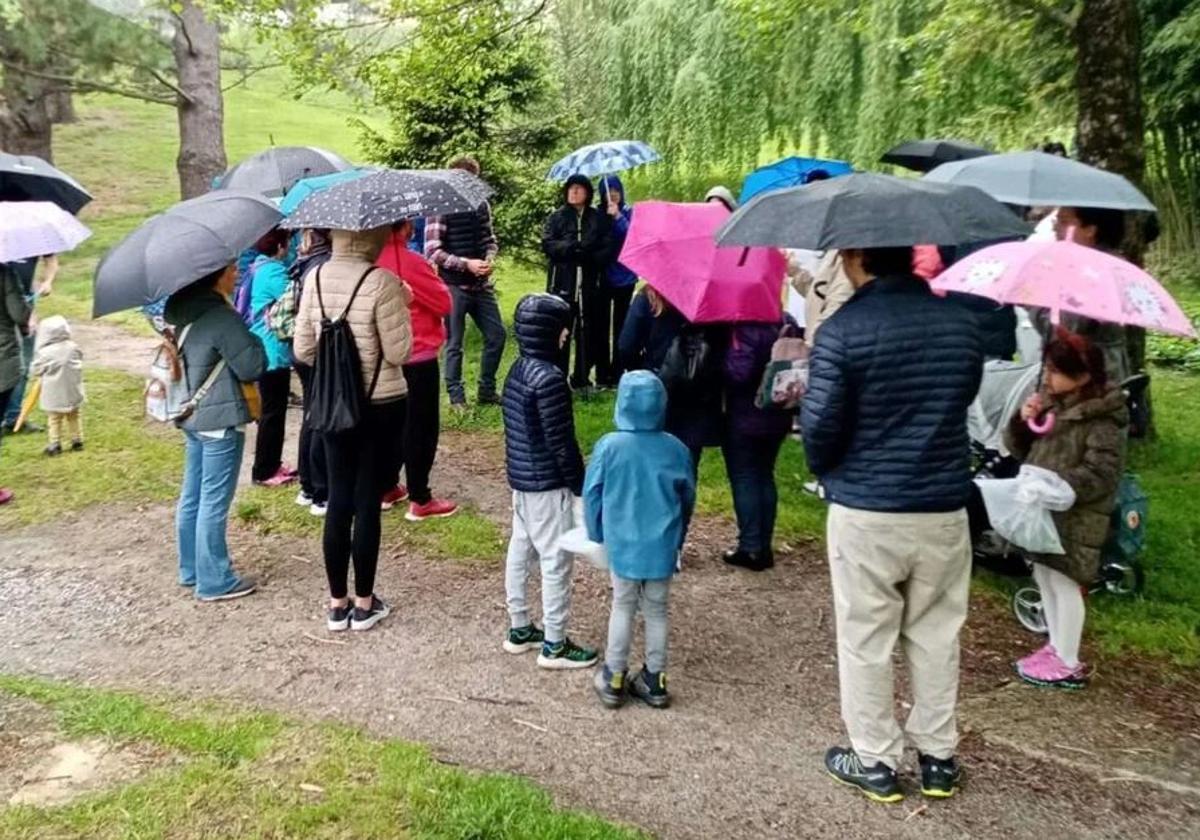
pixel 691 363
pixel 338 399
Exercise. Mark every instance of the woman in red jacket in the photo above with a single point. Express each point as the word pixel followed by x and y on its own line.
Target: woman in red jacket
pixel 429 308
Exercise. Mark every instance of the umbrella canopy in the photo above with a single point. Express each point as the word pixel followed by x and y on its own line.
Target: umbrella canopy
pixel 178 247
pixel 672 247
pixel 383 198
pixel 924 155
pixel 29 178
pixel 1036 179
pixel 305 187
pixel 789 172
pixel 1068 277
pixel 867 210
pixel 274 171
pixel 602 158
pixel 37 228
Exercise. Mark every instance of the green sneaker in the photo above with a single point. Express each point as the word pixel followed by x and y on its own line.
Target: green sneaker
pixel 565 655
pixel 523 639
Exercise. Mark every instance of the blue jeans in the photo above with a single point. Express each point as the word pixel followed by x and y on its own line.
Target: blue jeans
pixel 481 305
pixel 750 463
pixel 18 392
pixel 210 477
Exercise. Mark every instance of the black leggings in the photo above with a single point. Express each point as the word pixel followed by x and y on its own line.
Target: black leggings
pixel 314 476
pixel 420 430
pixel 273 388
pixel 360 467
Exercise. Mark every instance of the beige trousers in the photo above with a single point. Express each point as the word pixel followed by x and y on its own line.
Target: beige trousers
pixel 65 421
pixel 899 577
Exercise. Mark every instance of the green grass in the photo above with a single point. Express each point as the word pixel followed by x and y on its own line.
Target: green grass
pixel 241 775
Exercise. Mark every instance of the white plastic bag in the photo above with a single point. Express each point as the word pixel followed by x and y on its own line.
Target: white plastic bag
pixel 576 542
pixel 1020 508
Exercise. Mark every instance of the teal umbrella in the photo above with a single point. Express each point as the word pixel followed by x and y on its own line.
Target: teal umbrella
pixel 305 187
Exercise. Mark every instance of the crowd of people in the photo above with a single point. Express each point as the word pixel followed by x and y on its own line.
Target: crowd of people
pixel 893 370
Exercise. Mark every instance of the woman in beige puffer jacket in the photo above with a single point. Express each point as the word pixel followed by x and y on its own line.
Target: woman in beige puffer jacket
pixel 361 461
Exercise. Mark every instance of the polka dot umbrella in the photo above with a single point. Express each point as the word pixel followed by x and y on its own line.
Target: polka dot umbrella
pixel 386 197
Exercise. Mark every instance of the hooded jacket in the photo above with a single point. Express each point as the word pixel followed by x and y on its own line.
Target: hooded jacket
pixel 541 452
pixel 640 489
pixel 216 332
pixel 59 362
pixel 617 274
pixel 885 416
pixel 379 316
pixel 431 301
pixel 15 312
pixel 1087 448
pixel 269 281
pixel 578 243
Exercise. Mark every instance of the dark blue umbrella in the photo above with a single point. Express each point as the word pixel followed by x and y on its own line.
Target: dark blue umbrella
pixel 29 178
pixel 789 172
pixel 176 248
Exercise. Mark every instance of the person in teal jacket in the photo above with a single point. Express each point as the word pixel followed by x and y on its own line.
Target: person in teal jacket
pixel 639 493
pixel 269 281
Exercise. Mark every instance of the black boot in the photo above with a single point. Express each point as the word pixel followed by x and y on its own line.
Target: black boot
pixel 754 561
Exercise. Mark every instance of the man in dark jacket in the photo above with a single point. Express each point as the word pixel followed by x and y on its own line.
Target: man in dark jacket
pixel 578 241
pixel 545 470
pixel 463 247
pixel 885 429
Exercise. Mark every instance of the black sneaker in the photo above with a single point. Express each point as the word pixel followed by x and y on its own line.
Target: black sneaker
pixel 53 449
pixel 76 446
pixel 245 586
pixel 878 782
pixel 940 778
pixel 610 687
pixel 754 561
pixel 488 399
pixel 338 618
pixel 362 619
pixel 524 639
pixel 650 688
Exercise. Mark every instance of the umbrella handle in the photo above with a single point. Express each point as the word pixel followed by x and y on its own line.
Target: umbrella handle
pixel 1042 425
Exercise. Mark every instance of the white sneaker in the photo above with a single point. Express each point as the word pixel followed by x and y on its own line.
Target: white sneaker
pixel 303 499
pixel 812 487
pixel 317 509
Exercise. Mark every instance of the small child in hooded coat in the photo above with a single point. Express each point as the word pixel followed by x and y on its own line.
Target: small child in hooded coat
pixel 639 493
pixel 58 361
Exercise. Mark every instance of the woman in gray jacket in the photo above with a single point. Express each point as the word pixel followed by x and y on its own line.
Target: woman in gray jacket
pixel 210 332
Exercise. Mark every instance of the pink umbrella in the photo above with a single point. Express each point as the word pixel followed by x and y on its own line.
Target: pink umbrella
pixel 672 247
pixel 1068 277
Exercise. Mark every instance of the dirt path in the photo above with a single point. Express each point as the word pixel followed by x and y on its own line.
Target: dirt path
pixel 752 668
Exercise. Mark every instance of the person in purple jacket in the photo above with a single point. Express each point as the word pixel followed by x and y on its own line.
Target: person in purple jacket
pixel 752 439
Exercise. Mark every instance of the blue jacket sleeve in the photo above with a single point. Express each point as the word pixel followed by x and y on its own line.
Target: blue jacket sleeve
pixel 825 410
pixel 270 282
pixel 593 492
pixel 687 490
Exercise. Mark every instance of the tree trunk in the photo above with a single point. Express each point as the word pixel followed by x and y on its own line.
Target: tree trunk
pixel 197 48
pixel 60 105
pixel 25 127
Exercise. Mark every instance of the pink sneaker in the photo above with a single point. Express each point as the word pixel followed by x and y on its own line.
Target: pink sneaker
pixel 1037 656
pixel 6 495
pixel 280 479
pixel 433 509
pixel 393 497
pixel 284 468
pixel 1051 672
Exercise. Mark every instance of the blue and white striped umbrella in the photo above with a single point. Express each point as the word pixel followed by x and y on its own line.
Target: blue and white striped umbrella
pixel 603 158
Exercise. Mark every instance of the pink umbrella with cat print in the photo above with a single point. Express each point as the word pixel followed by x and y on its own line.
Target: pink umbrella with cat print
pixel 1064 276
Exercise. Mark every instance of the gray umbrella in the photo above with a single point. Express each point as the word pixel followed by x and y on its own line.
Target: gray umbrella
pixel 391 195
pixel 272 172
pixel 169 251
pixel 868 210
pixel 29 178
pixel 1036 179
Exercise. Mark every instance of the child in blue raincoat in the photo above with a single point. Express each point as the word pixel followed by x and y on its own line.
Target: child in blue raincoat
pixel 639 493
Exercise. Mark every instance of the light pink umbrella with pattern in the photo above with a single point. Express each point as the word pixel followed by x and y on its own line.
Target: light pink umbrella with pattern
pixel 1067 277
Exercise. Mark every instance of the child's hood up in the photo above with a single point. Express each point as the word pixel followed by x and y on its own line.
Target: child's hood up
pixel 641 403
pixel 52 330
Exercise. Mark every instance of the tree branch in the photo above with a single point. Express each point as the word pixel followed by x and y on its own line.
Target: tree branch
pixel 1052 14
pixel 86 86
pixel 160 78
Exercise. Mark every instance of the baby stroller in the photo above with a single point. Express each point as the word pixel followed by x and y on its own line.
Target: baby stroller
pixel 1006 386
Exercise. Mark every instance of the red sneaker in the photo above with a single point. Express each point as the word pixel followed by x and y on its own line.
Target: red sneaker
pixel 393 497
pixel 433 509
pixel 6 495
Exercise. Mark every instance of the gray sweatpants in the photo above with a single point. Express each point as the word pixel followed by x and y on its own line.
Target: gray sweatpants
pixel 628 596
pixel 539 519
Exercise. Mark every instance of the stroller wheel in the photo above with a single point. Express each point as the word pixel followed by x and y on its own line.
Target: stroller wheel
pixel 1123 578
pixel 1027 607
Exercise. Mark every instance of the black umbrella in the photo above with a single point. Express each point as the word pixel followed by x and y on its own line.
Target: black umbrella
pixel 178 247
pixel 386 197
pixel 274 171
pixel 867 210
pixel 924 155
pixel 29 178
